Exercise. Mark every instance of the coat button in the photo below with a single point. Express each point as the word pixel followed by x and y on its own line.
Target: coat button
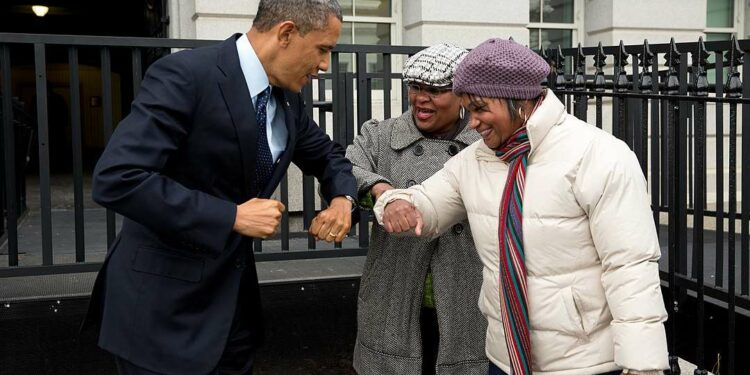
pixel 452 150
pixel 411 183
pixel 458 229
pixel 239 264
pixel 418 150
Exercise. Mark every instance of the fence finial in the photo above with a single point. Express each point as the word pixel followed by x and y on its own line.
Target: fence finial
pixel 647 59
pixel 559 69
pixel 621 60
pixel 700 81
pixel 599 63
pixel 733 87
pixel 672 57
pixel 579 82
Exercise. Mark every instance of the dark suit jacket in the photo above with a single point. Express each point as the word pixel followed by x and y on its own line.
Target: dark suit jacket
pixel 175 168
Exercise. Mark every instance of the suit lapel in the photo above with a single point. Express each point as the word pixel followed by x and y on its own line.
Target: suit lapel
pixel 240 106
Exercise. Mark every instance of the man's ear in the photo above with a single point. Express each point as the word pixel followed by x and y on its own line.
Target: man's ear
pixel 284 32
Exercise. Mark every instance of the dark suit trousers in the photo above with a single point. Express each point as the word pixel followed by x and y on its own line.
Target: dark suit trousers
pixel 239 353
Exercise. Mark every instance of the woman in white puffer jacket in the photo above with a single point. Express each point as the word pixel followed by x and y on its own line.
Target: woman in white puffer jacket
pixel 574 289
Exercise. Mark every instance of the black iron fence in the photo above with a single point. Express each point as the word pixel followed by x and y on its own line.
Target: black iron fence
pixel 660 111
pixel 681 118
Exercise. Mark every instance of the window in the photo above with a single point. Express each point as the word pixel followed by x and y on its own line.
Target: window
pixel 552 23
pixel 720 14
pixel 721 24
pixel 365 22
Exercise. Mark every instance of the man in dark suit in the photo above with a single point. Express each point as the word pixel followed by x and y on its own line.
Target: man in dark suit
pixel 210 134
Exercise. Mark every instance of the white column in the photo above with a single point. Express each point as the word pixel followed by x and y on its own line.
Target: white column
pixel 635 20
pixel 218 19
pixel 466 23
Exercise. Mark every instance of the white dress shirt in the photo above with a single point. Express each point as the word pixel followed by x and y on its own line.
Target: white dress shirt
pixel 257 81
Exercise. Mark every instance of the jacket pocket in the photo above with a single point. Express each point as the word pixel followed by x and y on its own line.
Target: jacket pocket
pixel 162 263
pixel 574 311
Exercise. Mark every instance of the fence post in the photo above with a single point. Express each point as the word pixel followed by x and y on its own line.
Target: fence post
pixel 732 89
pixel 672 87
pixel 700 90
pixel 620 124
pixel 599 81
pixel 579 84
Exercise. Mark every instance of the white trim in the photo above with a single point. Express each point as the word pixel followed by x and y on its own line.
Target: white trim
pixel 356 19
pixel 723 30
pixel 560 26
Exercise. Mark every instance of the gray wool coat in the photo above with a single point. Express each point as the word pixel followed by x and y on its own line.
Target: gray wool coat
pixel 391 288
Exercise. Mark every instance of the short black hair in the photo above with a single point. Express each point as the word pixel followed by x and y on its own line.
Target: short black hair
pixel 307 15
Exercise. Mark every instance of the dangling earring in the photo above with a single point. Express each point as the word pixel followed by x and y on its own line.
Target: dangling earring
pixel 522 115
pixel 461 112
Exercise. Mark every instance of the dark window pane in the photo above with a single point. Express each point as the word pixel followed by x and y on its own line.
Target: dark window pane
pixel 534 38
pixel 720 13
pixel 534 15
pixel 346 33
pixel 372 8
pixel 373 34
pixel 346 7
pixel 557 11
pixel 553 37
pixel 345 59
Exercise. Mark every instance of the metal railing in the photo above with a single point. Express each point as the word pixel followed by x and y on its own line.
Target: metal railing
pixel 661 115
pixel 132 58
pixel 660 111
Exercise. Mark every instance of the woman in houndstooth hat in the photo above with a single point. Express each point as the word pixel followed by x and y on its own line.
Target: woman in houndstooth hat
pixel 417 310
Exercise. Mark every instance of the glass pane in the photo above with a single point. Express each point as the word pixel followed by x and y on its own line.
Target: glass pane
pixel 534 39
pixel 557 11
pixel 711 73
pixel 710 37
pixel 346 33
pixel 534 10
pixel 346 7
pixel 553 37
pixel 345 59
pixel 373 8
pixel 720 13
pixel 373 34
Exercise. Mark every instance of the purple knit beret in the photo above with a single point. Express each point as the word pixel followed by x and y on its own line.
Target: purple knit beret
pixel 501 68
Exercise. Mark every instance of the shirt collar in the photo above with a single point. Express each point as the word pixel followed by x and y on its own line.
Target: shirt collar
pixel 255 76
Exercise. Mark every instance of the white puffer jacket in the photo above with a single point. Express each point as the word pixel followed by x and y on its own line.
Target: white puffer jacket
pixel 594 294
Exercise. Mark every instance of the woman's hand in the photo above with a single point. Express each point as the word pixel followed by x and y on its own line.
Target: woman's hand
pixel 378 189
pixel 401 216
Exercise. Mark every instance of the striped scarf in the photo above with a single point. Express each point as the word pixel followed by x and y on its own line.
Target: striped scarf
pixel 515 312
pixel 513 291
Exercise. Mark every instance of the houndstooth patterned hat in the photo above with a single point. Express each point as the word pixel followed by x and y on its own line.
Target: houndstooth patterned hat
pixel 434 66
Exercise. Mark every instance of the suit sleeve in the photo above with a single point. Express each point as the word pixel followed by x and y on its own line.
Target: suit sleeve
pixel 611 188
pixel 127 177
pixel 316 154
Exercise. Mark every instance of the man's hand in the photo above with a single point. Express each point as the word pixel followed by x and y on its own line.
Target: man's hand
pixel 401 216
pixel 378 189
pixel 333 223
pixel 259 218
